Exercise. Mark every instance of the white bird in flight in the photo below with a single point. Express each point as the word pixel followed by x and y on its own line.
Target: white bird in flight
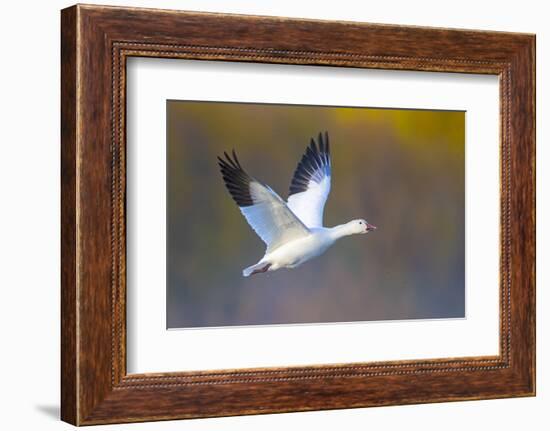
pixel 292 231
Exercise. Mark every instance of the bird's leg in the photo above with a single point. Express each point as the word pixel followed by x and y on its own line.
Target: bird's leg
pixel 261 270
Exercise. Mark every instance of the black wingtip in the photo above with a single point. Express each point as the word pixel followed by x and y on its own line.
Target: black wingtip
pixel 236 180
pixel 237 163
pixel 313 145
pixel 315 163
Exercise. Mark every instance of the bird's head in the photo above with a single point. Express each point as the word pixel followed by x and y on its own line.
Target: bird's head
pixel 361 226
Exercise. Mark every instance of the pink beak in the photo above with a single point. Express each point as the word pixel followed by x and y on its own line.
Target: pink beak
pixel 370 227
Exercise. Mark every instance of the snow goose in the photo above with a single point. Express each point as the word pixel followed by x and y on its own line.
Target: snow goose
pixel 292 231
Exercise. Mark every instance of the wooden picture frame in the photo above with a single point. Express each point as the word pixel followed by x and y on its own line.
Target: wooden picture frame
pixel 95 43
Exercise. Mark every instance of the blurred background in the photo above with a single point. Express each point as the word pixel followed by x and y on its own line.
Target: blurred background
pixel 401 170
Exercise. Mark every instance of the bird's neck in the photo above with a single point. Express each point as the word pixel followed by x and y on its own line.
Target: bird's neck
pixel 340 231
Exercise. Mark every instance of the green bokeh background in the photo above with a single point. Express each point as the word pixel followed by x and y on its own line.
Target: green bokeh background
pixel 401 170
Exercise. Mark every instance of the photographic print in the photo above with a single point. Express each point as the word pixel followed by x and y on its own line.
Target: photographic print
pixel 289 214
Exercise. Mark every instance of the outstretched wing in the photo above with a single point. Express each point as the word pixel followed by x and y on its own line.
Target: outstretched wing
pixel 263 209
pixel 310 185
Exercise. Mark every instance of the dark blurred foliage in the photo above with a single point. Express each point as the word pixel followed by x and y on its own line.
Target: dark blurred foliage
pixel 402 170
